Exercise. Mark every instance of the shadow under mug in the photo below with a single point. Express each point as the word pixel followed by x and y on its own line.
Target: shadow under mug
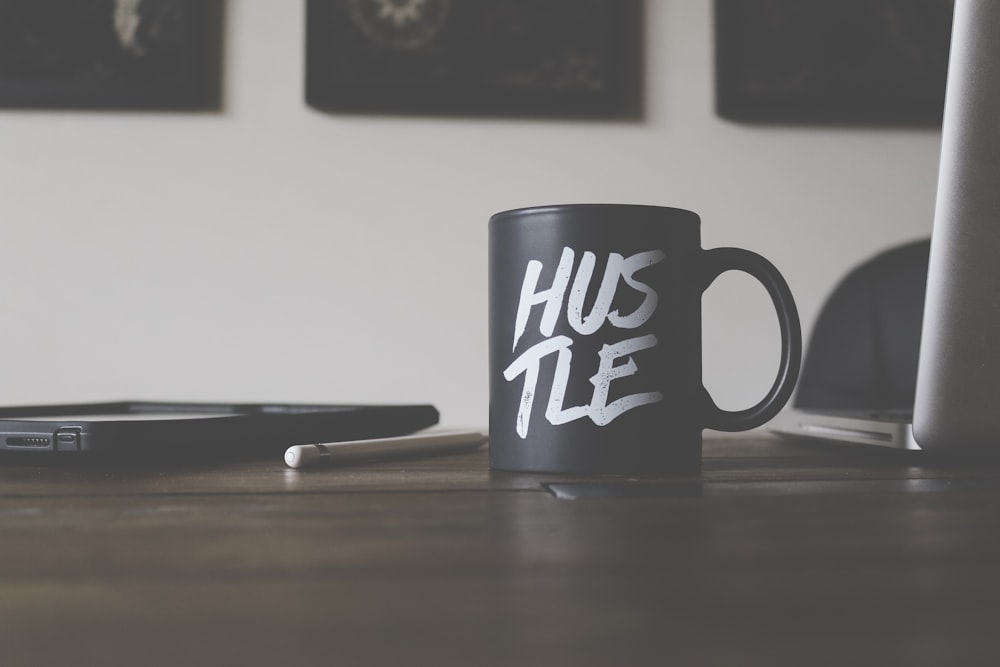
pixel 595 340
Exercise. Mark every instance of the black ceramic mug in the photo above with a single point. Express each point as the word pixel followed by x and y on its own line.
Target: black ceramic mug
pixel 595 340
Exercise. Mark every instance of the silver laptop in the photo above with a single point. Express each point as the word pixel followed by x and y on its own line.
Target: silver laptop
pixel 957 404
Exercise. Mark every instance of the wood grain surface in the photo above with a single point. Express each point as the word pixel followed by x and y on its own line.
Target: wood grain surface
pixel 777 554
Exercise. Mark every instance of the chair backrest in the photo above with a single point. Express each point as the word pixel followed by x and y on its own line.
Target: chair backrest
pixel 863 350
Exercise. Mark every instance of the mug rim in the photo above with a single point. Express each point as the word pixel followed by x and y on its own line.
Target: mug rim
pixel 552 208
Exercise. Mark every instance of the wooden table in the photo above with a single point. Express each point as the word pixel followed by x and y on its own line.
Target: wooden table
pixel 778 554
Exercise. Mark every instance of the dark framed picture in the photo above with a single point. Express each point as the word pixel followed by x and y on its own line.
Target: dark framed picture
pixel 832 61
pixel 110 54
pixel 564 58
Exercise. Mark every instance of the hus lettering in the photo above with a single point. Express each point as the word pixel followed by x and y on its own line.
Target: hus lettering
pixel 567 294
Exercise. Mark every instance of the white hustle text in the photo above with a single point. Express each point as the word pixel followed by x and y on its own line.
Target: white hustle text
pixel 568 292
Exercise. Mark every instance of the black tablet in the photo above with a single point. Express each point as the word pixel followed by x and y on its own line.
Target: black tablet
pixel 152 432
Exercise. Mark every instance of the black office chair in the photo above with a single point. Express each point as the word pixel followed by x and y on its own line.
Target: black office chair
pixel 863 350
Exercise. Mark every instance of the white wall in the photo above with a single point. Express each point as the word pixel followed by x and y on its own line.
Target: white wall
pixel 271 252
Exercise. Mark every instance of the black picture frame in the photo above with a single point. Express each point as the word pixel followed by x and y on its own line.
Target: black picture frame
pixel 535 58
pixel 111 54
pixel 859 62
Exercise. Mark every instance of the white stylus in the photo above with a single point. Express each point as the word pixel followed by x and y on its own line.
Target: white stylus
pixel 333 453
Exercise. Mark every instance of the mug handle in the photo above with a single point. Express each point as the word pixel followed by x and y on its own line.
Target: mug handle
pixel 717 262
